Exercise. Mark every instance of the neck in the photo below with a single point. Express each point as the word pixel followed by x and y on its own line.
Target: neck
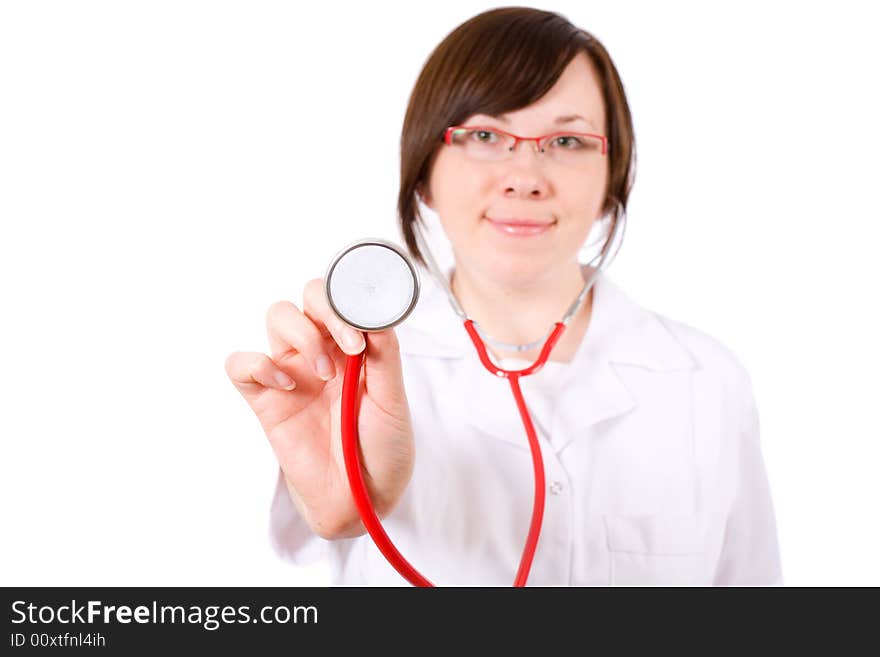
pixel 525 312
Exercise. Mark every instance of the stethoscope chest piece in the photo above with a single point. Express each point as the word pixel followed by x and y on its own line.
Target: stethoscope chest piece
pixel 372 285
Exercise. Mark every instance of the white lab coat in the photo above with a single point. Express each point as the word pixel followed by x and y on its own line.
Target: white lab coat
pixel 651 449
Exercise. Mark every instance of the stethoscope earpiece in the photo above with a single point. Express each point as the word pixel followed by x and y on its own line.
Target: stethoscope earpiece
pixel 372 285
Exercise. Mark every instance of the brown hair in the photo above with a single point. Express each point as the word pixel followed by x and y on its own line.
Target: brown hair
pixel 497 62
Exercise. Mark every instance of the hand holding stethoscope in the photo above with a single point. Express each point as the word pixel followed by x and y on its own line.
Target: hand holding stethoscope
pixel 371 285
pixel 303 423
pixel 327 433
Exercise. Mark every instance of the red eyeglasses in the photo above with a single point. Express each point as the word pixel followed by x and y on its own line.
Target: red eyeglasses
pixel 484 143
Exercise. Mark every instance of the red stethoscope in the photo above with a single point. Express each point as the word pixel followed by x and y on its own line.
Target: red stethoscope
pixel 373 285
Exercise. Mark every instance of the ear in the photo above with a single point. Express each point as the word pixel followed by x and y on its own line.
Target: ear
pixel 425 196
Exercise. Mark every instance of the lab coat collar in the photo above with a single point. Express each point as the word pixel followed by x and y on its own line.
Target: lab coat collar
pixel 620 332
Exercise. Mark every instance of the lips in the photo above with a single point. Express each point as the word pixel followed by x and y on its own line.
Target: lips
pixel 511 221
pixel 520 227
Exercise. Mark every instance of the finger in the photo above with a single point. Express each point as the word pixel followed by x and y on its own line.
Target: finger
pixel 383 366
pixel 316 306
pixel 290 331
pixel 251 373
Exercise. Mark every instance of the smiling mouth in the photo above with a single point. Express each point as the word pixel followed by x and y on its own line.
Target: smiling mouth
pixel 520 228
pixel 519 222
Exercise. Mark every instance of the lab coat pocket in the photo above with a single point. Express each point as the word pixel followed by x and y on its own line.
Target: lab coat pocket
pixel 655 550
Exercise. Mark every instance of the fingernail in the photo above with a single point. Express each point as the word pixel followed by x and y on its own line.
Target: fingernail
pixel 284 381
pixel 324 367
pixel 354 341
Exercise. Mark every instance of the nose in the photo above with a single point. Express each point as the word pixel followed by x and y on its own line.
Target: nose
pixel 523 175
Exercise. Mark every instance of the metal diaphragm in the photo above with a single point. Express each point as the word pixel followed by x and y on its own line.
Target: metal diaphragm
pixel 372 285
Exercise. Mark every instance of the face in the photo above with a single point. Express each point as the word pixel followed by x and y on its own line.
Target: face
pixel 466 194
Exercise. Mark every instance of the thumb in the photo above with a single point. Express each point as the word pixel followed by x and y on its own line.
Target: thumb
pixel 383 373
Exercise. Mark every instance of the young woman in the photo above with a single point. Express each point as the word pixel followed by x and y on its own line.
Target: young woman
pixel 519 137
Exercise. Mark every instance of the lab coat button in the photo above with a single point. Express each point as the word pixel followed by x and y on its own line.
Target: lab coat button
pixel 556 487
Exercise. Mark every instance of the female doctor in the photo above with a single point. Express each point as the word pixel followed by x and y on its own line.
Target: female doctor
pixel 648 427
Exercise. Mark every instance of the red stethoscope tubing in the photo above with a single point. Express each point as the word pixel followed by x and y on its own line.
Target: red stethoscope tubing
pixel 350 443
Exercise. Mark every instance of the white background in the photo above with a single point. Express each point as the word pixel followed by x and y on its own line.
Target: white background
pixel 169 169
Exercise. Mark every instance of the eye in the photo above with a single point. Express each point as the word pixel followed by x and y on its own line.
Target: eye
pixel 484 136
pixel 569 142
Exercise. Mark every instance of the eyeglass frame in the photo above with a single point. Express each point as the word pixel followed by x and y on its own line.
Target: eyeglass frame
pixel 447 136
